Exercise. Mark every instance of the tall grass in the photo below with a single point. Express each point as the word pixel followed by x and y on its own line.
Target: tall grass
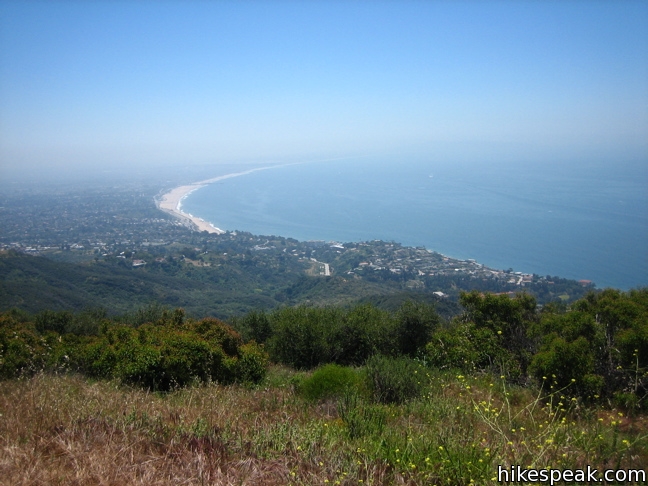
pixel 69 430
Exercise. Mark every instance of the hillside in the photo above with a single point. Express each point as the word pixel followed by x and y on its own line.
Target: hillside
pixel 35 283
pixel 329 395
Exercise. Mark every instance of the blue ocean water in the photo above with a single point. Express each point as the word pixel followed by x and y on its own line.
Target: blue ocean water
pixel 575 220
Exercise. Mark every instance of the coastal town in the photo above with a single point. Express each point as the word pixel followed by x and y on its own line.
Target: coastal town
pixel 127 227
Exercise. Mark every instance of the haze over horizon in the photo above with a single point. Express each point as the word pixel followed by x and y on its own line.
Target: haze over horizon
pixel 142 84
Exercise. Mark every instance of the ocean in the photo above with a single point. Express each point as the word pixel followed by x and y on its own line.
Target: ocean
pixel 580 220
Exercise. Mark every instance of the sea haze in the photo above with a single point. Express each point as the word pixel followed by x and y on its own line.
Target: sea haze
pixel 575 220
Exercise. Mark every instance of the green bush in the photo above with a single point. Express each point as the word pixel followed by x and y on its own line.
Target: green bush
pixel 507 321
pixel 257 325
pixel 415 324
pixel 58 322
pixel 567 365
pixel 97 359
pixel 140 364
pixel 61 350
pixel 219 334
pixel 164 357
pixel 300 337
pixel 328 381
pixel 252 365
pixel 362 332
pixel 465 347
pixel 632 358
pixel 184 358
pixel 394 380
pixel 22 350
pixel 453 348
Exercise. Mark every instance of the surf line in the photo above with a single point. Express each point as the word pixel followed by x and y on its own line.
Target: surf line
pixel 171 201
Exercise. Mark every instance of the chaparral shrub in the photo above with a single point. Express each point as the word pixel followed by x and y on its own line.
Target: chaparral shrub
pixel 22 350
pixel 300 336
pixel 252 363
pixel 329 381
pixel 163 357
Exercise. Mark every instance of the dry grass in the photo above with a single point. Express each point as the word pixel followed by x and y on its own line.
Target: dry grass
pixel 68 430
pixel 63 430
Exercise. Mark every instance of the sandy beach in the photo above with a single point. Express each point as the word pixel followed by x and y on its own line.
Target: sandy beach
pixel 171 202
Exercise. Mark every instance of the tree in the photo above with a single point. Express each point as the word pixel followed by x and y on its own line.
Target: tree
pixel 508 318
pixel 415 324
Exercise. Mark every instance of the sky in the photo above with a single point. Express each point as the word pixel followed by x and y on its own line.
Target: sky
pixel 142 83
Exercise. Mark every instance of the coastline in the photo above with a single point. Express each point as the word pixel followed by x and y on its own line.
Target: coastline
pixel 171 201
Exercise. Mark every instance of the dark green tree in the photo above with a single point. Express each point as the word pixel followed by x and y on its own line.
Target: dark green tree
pixel 415 324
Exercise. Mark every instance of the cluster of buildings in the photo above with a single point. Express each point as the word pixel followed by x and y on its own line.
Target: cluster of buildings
pixel 420 262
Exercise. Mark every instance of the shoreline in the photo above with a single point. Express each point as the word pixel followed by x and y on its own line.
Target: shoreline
pixel 171 202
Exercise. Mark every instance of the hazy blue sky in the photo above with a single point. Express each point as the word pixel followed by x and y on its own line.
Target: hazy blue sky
pixel 196 81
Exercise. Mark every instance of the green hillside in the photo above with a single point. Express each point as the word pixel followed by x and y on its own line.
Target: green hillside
pixel 34 284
